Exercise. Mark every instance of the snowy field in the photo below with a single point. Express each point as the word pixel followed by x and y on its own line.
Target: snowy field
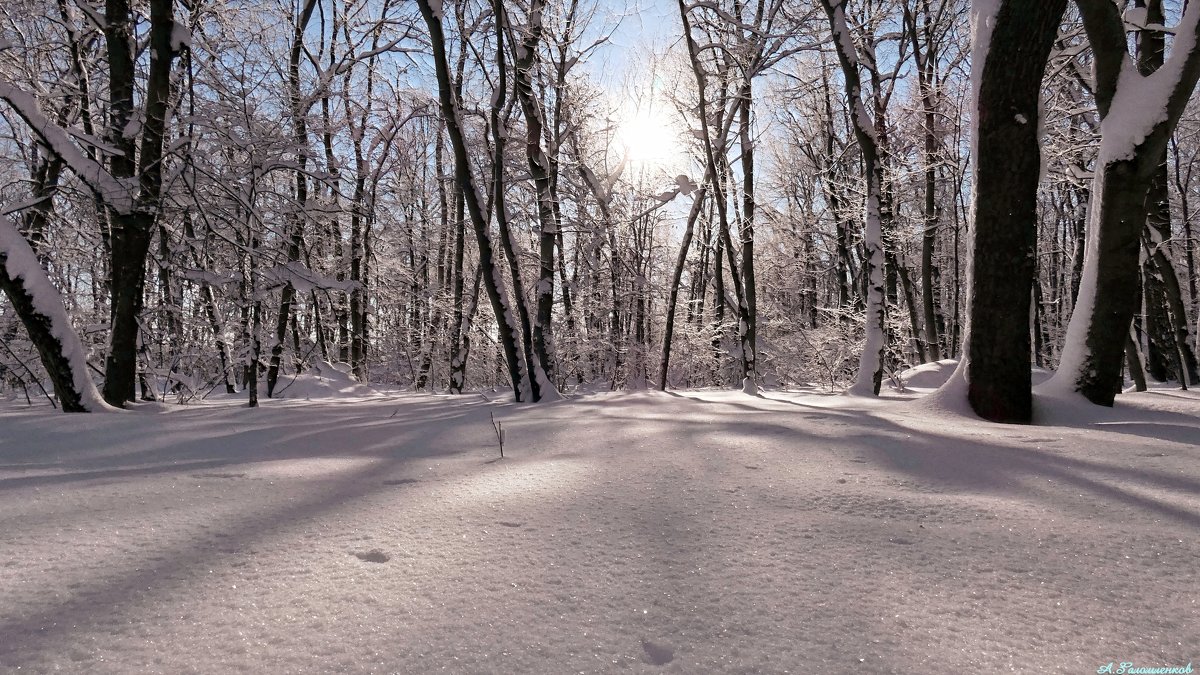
pixel 699 532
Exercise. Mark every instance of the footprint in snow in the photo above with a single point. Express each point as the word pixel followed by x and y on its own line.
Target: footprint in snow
pixel 374 555
pixel 657 654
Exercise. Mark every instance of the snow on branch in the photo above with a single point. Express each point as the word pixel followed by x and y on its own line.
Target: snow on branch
pixel 20 262
pixel 1140 103
pixel 112 192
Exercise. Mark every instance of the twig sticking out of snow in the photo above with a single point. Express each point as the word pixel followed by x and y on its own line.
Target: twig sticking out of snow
pixel 499 429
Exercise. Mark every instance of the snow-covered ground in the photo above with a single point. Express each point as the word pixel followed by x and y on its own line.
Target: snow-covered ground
pixel 695 532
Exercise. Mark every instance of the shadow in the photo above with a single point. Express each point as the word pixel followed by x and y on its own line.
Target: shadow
pixel 218 436
pixel 392 443
pixel 1006 468
pixel 1163 431
pixel 103 474
pixel 665 530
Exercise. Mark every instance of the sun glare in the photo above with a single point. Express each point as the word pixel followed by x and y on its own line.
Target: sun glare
pixel 648 137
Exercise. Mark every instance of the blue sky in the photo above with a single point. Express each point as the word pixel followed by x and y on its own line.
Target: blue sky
pixel 640 24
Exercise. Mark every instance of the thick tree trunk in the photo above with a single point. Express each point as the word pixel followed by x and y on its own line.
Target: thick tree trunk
pixel 1108 296
pixel 131 229
pixel 1170 350
pixel 130 246
pixel 1007 167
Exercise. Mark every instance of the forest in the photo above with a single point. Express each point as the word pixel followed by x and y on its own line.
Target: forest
pixel 599 336
pixel 467 195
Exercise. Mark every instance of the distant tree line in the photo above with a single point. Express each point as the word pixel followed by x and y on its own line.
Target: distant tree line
pixel 199 196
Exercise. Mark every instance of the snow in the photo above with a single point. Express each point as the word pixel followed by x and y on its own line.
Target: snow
pixel 546 388
pixel 929 376
pixel 20 262
pixel 749 386
pixel 695 532
pixel 324 380
pixel 1140 101
pixel 181 37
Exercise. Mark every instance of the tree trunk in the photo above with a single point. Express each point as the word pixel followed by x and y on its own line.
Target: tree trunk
pixel 131 229
pixel 871 363
pixel 925 64
pixel 716 171
pixel 299 112
pixel 500 206
pixel 1125 168
pixel 673 288
pixel 1134 362
pixel 1008 153
pixel 466 183
pixel 524 65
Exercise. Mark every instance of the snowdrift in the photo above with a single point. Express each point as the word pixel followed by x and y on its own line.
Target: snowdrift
pixel 929 376
pixel 324 380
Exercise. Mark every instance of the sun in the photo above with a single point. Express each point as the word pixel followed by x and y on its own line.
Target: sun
pixel 648 137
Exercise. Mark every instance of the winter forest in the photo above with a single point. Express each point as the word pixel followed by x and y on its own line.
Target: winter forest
pixel 599 335
pixel 464 196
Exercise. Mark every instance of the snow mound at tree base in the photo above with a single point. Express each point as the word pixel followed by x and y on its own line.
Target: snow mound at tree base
pixel 324 380
pixel 930 376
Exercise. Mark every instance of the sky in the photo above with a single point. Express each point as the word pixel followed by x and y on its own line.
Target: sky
pixel 640 25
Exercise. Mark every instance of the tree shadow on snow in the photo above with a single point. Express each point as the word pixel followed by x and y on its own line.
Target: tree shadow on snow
pixel 393 442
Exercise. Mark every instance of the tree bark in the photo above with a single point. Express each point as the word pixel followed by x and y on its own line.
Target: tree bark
pixel 673 287
pixel 925 64
pixel 466 183
pixel 131 230
pixel 40 308
pixel 299 112
pixel 524 64
pixel 1007 167
pixel 1091 360
pixel 871 363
